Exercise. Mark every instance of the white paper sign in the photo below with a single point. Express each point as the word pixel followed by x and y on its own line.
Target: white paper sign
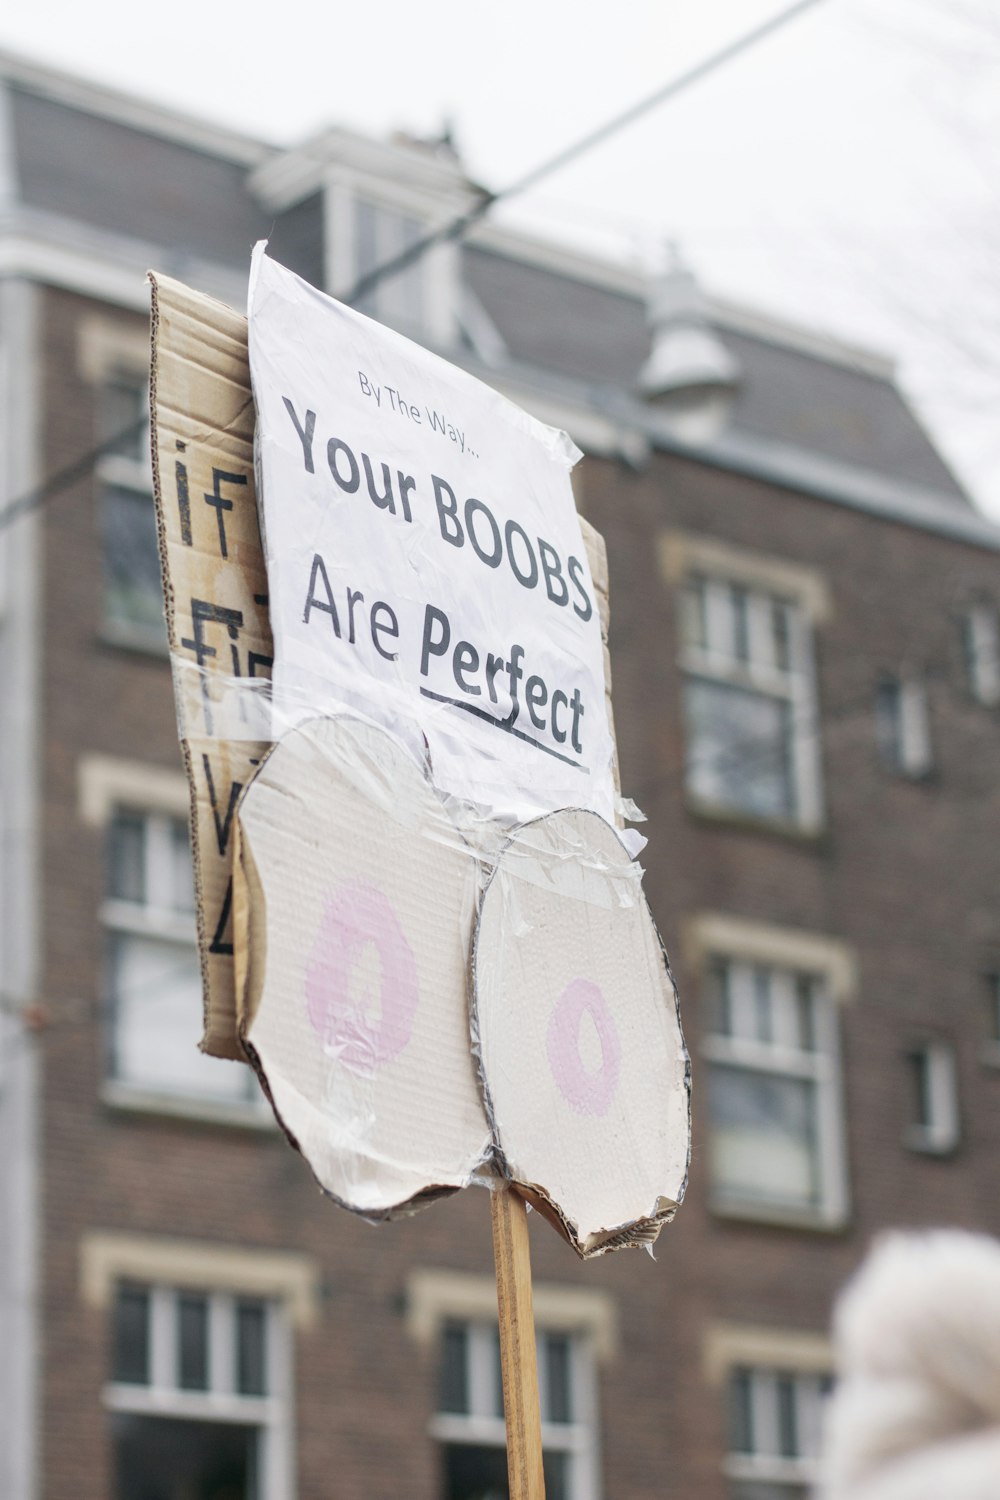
pixel 424 556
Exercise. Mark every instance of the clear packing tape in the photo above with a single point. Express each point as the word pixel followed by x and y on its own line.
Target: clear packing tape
pixel 423 990
pixel 212 705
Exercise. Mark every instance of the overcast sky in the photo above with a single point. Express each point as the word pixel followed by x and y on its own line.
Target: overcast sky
pixel 844 173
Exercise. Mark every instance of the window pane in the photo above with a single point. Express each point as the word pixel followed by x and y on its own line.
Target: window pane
pixel 763 1017
pixel 126 858
pixel 741 623
pixel 498 1397
pixel 788 1436
pixel 888 721
pixel 555 1467
pixel 192 1342
pixel 763 1136
pixel 480 1473
pixel 720 1003
pixel 401 298
pixel 251 1348
pixel 183 872
pixel 559 1407
pixel 694 630
pixel 130 1359
pixel 805 1012
pixel 993 1010
pixel 740 1413
pixel 739 748
pixel 476 1473
pixel 124 408
pixel 453 1394
pixel 161 1458
pixel 156 1014
pixel 133 594
pixel 781 635
pixel 920 1082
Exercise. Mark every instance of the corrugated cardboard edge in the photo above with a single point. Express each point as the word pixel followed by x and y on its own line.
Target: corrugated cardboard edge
pixel 209 341
pixel 640 1233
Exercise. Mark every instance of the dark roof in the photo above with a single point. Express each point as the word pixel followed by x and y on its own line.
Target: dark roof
pixel 568 326
pixel 154 185
pixel 840 411
pixel 828 405
pixel 117 177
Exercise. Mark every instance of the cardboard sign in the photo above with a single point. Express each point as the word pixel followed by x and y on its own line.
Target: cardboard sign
pixel 215 587
pixel 580 1048
pixel 425 559
pixel 203 419
pixel 355 898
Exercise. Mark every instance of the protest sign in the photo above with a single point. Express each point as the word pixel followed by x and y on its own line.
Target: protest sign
pixel 424 556
pixel 215 589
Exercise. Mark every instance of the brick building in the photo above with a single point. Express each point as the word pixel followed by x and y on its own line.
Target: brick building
pixel 806 657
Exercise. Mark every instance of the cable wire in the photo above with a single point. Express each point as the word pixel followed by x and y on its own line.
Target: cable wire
pixel 78 469
pixel 456 228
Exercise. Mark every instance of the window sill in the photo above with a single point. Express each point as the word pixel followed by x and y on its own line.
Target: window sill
pixel 809 834
pixel 135 638
pixel 778 1216
pixel 236 1114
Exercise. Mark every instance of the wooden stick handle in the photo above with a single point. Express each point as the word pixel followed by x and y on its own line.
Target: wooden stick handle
pixel 517 1345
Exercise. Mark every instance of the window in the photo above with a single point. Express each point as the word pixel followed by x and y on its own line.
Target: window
pixel 772 1048
pixel 981 650
pixel 155 1004
pixel 133 596
pixel 469 1423
pixel 749 700
pixel 197 1395
pixel 934 1123
pixel 774 1432
pixel 380 234
pixel 902 731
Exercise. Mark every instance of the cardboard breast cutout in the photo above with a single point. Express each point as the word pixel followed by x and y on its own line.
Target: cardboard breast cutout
pixel 578 1034
pixel 355 898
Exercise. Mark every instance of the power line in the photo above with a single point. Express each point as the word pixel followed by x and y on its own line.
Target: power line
pixel 63 478
pixel 458 227
pixel 454 230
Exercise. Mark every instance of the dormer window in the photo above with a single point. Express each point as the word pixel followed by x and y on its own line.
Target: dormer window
pixel 380 235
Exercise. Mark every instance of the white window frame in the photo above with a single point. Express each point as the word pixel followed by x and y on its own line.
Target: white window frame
pixel 905 743
pixel 939 1133
pixel 108 785
pixel 718 569
pixel 766 1354
pixel 588 1319
pixel 482 1427
pixel 830 965
pixel 163 1398
pixel 289 1281
pixel 106 350
pixel 439 266
pixel 765 1464
pixel 981 645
